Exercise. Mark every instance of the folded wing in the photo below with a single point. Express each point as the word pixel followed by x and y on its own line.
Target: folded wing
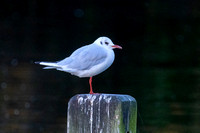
pixel 84 58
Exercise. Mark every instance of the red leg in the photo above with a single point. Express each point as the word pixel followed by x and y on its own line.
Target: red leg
pixel 90 82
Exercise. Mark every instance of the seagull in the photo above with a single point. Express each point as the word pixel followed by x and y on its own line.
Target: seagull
pixel 88 60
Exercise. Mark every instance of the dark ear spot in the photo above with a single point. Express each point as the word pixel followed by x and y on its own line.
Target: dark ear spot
pixel 101 42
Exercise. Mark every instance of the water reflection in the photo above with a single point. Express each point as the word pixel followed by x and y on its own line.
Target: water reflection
pixel 171 104
pixel 24 108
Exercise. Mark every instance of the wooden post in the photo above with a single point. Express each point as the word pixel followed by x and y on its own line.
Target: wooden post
pixel 102 113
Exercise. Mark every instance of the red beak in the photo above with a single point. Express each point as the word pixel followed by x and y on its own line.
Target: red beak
pixel 117 46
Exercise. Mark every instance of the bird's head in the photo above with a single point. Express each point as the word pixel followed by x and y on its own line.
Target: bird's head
pixel 106 42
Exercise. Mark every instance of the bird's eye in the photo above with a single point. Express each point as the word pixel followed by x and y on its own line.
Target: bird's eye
pixel 106 43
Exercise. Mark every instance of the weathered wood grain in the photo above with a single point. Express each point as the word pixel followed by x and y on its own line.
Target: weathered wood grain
pixel 102 113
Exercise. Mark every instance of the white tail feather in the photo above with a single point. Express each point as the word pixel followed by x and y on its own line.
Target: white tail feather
pixel 50 64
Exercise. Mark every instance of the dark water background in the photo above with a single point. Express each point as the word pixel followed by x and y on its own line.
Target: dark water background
pixel 159 64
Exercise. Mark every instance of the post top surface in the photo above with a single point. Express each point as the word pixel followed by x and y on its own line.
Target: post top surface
pixel 115 97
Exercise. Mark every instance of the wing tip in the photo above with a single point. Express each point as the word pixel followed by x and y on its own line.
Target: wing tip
pixel 49 67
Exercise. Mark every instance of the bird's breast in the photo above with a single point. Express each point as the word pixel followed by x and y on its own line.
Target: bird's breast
pixel 109 60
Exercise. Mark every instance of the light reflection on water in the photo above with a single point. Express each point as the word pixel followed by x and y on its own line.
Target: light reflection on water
pixel 35 100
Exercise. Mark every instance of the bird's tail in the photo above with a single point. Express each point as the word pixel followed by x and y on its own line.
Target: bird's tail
pixel 49 65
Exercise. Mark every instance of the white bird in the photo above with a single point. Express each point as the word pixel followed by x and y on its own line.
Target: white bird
pixel 88 60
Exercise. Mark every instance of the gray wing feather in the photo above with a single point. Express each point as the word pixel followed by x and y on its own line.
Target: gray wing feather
pixel 85 57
